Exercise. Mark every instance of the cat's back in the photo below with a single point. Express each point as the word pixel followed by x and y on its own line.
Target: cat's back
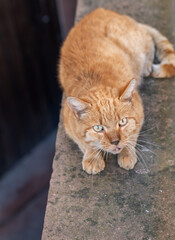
pixel 102 36
pixel 96 28
pixel 98 22
pixel 87 36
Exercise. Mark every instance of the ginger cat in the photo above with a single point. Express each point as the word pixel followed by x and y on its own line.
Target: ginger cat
pixel 102 63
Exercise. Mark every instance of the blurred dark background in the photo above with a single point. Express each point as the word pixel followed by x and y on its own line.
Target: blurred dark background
pixel 31 34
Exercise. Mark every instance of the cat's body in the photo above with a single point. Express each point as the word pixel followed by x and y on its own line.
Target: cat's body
pixel 102 62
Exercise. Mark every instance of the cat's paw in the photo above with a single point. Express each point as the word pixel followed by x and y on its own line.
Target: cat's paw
pixel 127 162
pixel 93 166
pixel 148 70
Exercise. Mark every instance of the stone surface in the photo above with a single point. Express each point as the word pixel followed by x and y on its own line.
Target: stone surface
pixel 119 204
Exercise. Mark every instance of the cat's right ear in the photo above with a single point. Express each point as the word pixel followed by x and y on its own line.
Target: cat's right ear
pixel 128 91
pixel 78 106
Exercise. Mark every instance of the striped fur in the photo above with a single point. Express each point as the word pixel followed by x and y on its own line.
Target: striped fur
pixel 102 62
pixel 165 54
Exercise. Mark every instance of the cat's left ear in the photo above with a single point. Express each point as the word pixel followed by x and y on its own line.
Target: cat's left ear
pixel 78 106
pixel 128 91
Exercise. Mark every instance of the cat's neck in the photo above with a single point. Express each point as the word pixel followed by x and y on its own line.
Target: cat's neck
pixel 109 84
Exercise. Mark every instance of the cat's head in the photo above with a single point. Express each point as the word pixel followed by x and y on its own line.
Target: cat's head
pixel 108 121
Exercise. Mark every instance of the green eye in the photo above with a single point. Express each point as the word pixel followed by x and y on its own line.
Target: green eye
pixel 123 122
pixel 98 128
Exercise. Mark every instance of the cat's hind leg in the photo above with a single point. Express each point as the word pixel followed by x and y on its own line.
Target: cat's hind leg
pixel 149 59
pixel 164 52
pixel 148 66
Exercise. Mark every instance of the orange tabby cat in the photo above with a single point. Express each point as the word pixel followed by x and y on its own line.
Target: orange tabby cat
pixel 102 63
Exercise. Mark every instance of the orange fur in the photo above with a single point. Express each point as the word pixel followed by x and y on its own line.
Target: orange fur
pixel 100 59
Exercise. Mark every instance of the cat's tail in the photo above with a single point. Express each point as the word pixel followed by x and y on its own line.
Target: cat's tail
pixel 165 54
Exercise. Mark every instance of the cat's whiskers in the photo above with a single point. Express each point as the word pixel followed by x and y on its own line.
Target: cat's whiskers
pixel 104 154
pixel 146 118
pixel 152 144
pixel 94 152
pixel 94 155
pixel 107 156
pixel 139 144
pixel 130 150
pixel 142 146
pixel 141 154
pixel 143 131
pixel 145 135
pixel 134 138
pixel 97 156
pixel 138 152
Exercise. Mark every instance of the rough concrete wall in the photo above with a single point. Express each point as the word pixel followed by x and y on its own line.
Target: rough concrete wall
pixel 118 204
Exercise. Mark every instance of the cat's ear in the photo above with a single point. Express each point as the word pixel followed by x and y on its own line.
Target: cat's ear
pixel 78 106
pixel 128 91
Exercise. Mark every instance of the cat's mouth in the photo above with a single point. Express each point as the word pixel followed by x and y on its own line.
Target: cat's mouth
pixel 116 150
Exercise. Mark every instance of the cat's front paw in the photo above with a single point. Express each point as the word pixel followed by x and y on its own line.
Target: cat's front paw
pixel 127 161
pixel 93 166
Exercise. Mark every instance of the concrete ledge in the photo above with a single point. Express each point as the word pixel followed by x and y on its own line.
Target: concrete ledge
pixel 118 204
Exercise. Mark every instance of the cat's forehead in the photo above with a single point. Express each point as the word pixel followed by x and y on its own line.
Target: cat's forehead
pixel 111 110
pixel 106 93
pixel 109 105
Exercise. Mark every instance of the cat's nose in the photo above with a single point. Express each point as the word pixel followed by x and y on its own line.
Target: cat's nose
pixel 116 142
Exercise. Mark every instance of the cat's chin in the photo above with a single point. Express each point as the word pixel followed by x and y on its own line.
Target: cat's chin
pixel 116 150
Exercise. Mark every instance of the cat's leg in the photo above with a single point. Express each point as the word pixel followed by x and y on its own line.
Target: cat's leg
pixel 127 158
pixel 164 52
pixel 148 64
pixel 93 161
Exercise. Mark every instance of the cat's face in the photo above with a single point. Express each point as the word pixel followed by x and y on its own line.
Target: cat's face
pixel 111 135
pixel 108 123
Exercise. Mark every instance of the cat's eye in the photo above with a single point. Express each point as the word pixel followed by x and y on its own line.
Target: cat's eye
pixel 123 122
pixel 98 128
